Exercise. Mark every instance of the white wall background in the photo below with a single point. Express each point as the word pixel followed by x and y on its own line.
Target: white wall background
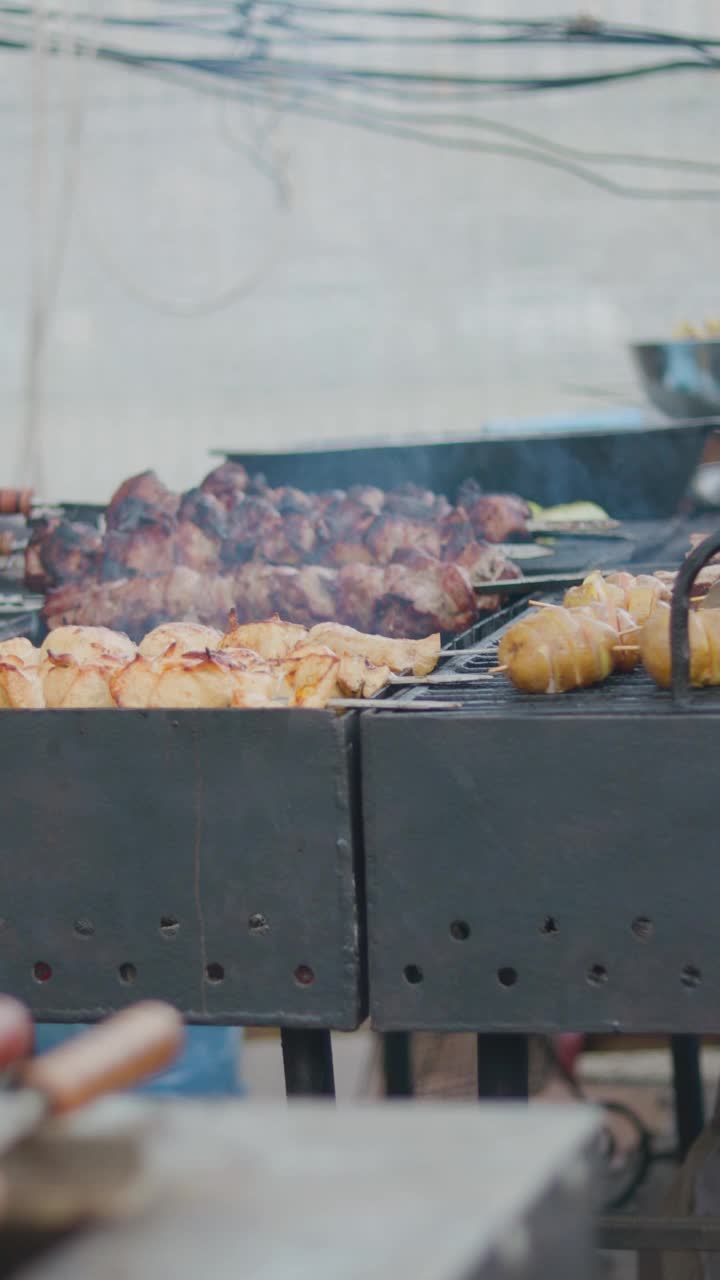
pixel 400 289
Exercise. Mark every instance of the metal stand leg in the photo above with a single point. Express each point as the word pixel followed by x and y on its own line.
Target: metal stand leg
pixel 503 1063
pixel 308 1063
pixel 687 1082
pixel 397 1064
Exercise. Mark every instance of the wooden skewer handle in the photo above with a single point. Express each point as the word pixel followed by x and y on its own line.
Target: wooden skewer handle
pixel 16 502
pixel 117 1054
pixel 17 1031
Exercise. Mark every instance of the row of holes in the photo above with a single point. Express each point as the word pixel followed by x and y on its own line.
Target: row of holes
pixel 170 926
pixel 641 926
pixel 596 976
pixel 214 973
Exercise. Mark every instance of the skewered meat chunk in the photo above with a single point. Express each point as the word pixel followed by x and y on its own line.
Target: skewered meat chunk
pixel 416 603
pixel 312 675
pixel 20 680
pixel 227 483
pixel 498 517
pixel 19 652
pixel 140 500
pixel 704 638
pixel 390 533
pixel 21 686
pixel 68 683
pixel 193 547
pixel 206 511
pixel 558 649
pixel 77 664
pixel 61 551
pixel 143 552
pixel 184 637
pixel 358 677
pixel 88 645
pixel 418 656
pixel 456 534
pixel 176 680
pixel 360 586
pixel 416 503
pixel 272 639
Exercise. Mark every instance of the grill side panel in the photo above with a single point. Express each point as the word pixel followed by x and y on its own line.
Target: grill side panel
pixel 542 873
pixel 203 857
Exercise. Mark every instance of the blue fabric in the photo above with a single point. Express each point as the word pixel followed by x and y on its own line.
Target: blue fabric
pixel 209 1066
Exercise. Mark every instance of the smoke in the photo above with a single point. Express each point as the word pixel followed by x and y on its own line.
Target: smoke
pixel 634 473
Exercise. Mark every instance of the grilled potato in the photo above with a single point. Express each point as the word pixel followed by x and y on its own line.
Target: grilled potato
pixel 418 656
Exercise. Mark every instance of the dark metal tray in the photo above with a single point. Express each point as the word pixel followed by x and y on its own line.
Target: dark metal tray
pixel 209 858
pixel 544 863
pixel 634 471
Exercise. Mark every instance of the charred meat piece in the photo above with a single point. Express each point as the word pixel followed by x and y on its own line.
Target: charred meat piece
pixel 145 552
pixel 390 533
pixel 455 532
pixel 61 551
pixel 358 590
pixel 497 517
pixel 415 603
pixel 484 563
pixel 416 503
pixel 343 524
pixel 204 510
pixel 253 523
pixel 227 483
pixel 193 547
pixel 141 500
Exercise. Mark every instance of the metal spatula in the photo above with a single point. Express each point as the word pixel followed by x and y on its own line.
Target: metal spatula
pixel 115 1055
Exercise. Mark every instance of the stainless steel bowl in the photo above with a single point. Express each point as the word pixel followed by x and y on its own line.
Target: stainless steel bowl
pixel 681 378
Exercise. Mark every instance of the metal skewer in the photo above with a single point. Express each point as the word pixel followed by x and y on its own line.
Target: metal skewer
pixel 384 704
pixel 464 678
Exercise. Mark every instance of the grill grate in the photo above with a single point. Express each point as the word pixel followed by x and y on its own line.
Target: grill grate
pixel 628 692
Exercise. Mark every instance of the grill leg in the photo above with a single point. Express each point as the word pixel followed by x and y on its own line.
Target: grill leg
pixel 397 1064
pixel 502 1069
pixel 308 1063
pixel 687 1083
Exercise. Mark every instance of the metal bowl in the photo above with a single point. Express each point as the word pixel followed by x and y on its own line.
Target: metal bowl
pixel 681 378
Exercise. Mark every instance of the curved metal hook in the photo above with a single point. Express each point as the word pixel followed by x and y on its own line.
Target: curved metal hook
pixel 680 606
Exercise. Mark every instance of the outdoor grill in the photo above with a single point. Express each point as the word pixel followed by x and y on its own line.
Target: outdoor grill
pixel 537 864
pixel 208 858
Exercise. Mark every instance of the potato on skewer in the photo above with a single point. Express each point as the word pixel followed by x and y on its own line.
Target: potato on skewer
pixel 704 638
pixel 558 649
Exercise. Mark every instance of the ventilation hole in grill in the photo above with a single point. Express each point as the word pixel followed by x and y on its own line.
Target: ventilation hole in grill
pixel 691 976
pixel 549 926
pixel 460 930
pixel 127 973
pixel 169 926
pixel 413 974
pixel 214 972
pixel 597 975
pixel 643 928
pixel 304 975
pixel 42 971
pixel 507 976
pixel 83 927
pixel 257 923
